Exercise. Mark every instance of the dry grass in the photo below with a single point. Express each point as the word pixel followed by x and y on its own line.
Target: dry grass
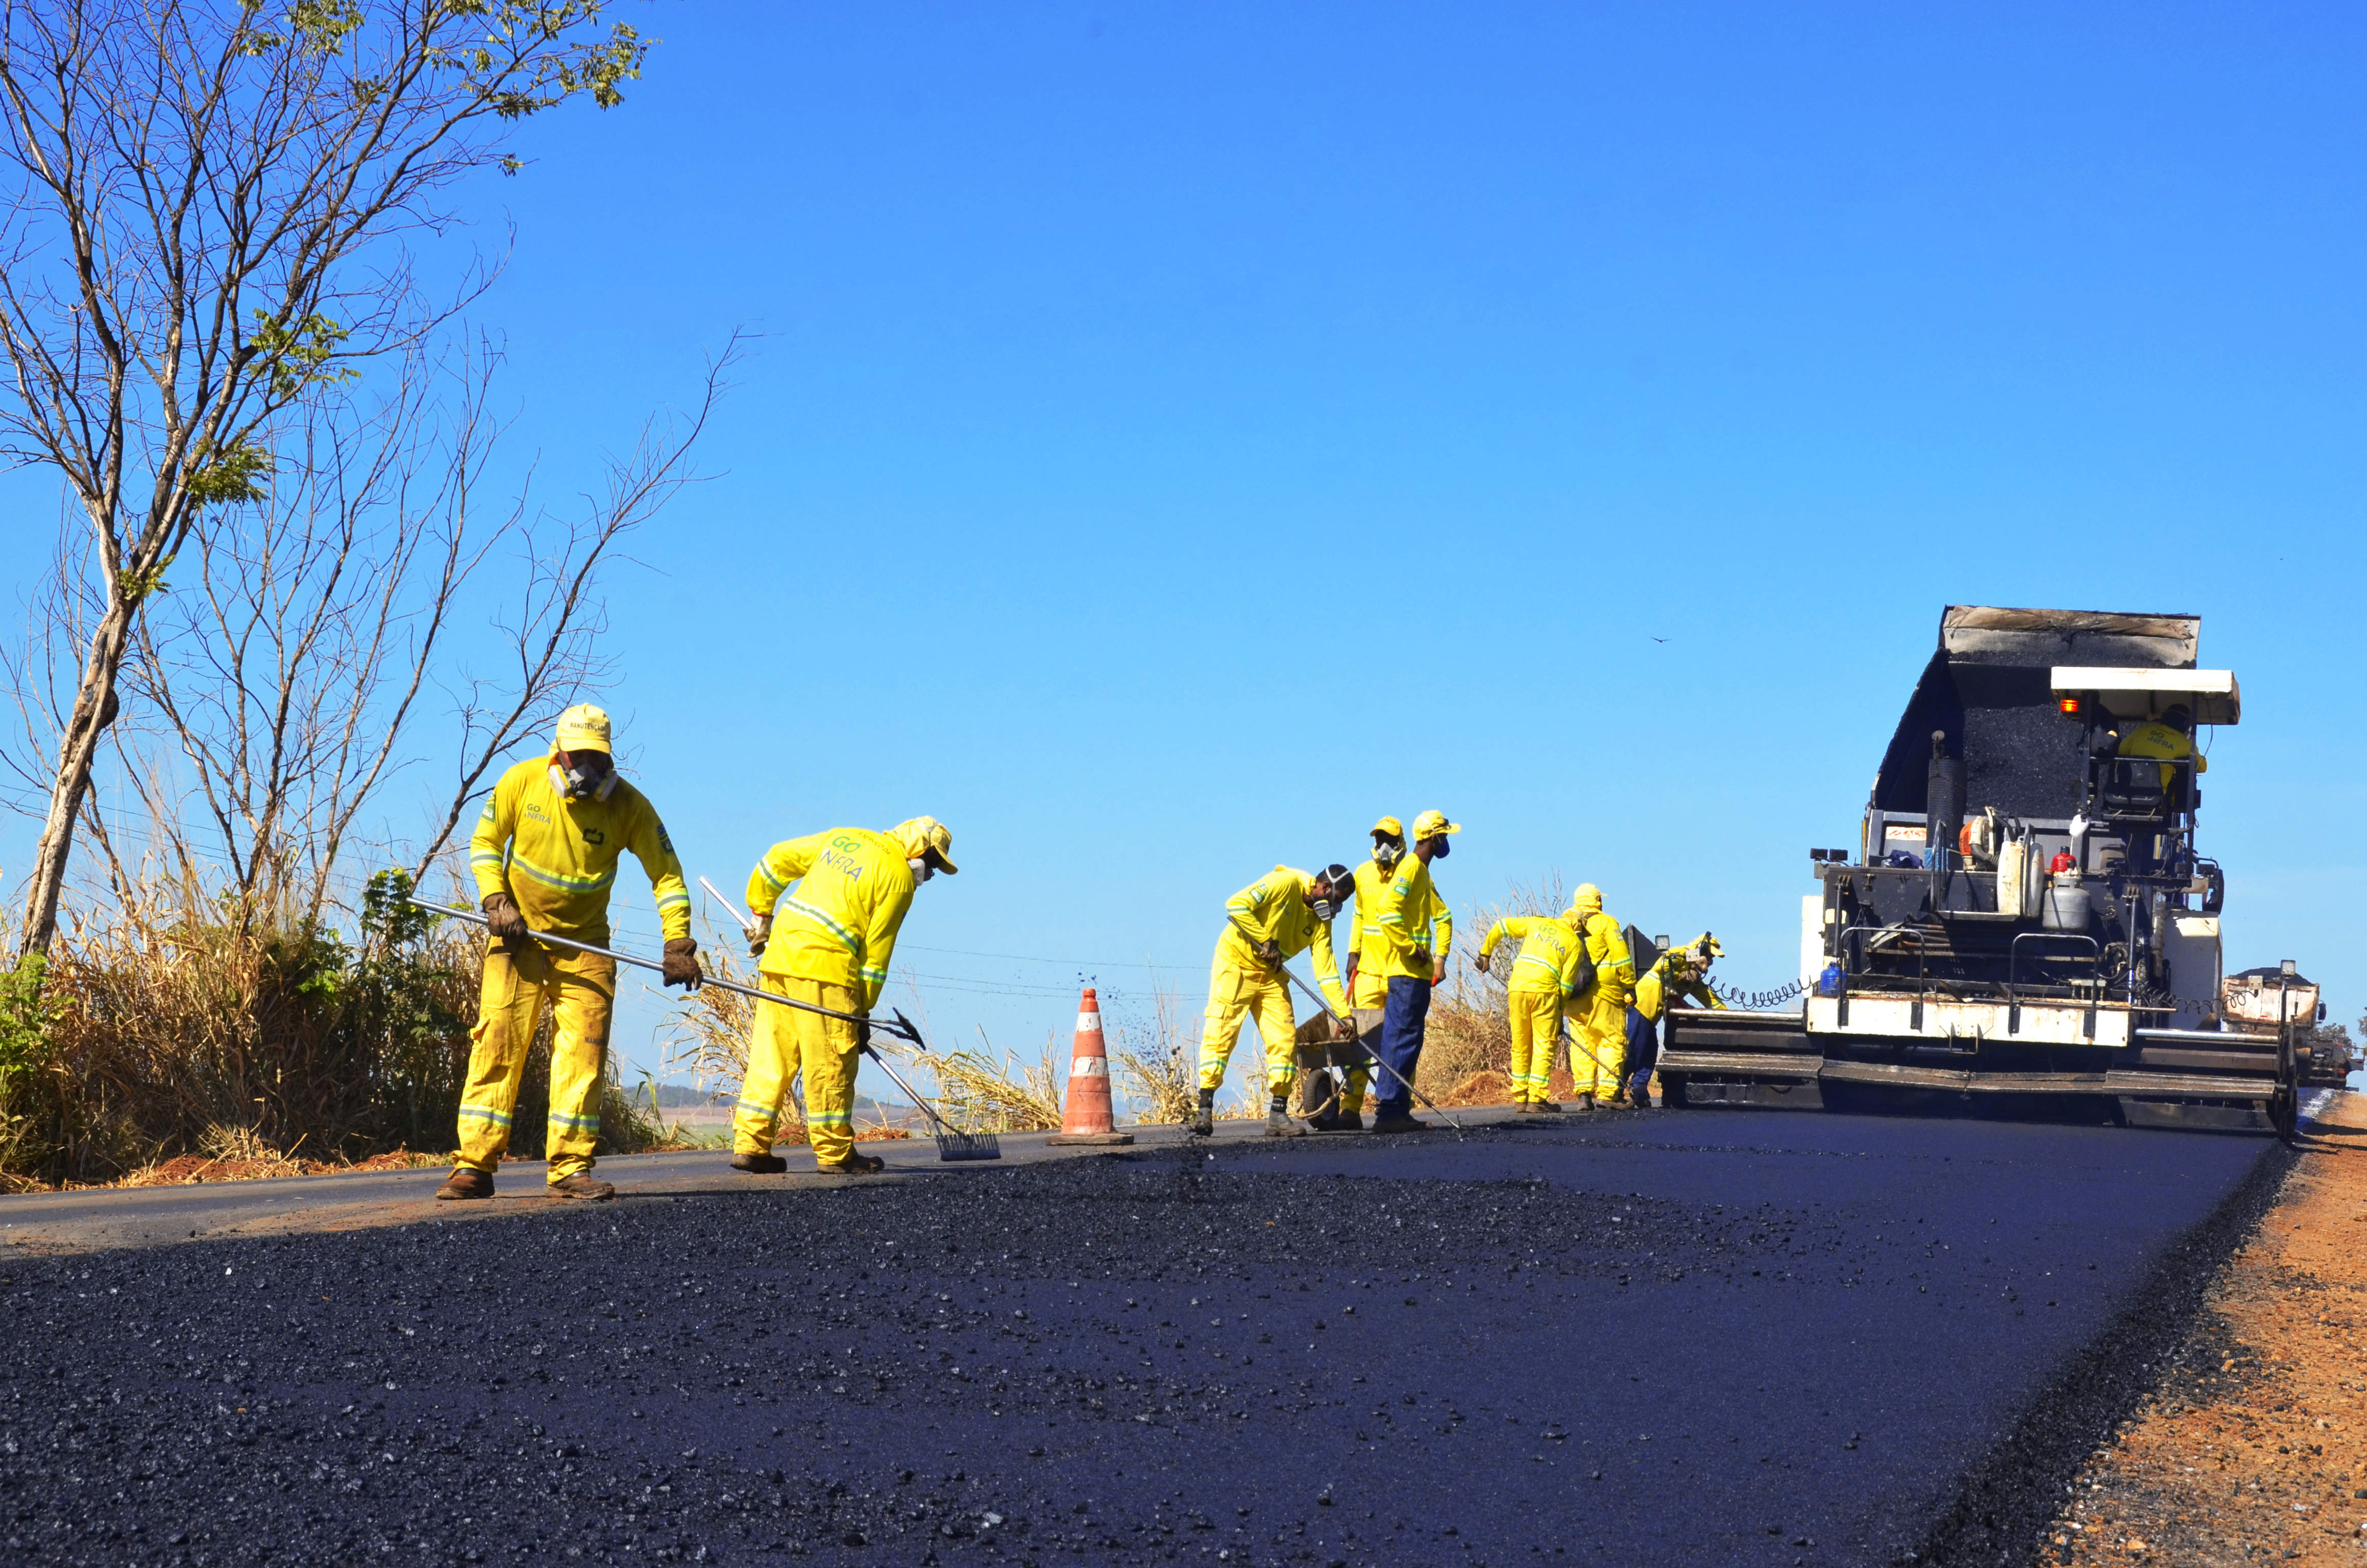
pixel 1470 1032
pixel 1157 1065
pixel 708 1039
pixel 985 1091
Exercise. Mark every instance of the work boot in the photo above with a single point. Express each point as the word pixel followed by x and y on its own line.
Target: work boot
pixel 1547 1106
pixel 1395 1121
pixel 1350 1120
pixel 466 1183
pixel 1525 1108
pixel 759 1165
pixel 583 1185
pixel 854 1164
pixel 1204 1125
pixel 1278 1124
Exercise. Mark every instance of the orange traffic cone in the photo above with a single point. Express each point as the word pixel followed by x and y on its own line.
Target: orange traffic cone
pixel 1088 1118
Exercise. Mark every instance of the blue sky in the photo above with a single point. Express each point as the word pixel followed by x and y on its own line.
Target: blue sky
pixel 1179 435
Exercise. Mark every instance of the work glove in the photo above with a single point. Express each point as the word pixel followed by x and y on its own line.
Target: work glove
pixel 1479 962
pixel 1344 1029
pixel 863 1034
pixel 503 922
pixel 681 965
pixel 761 933
pixel 1269 951
pixel 1420 958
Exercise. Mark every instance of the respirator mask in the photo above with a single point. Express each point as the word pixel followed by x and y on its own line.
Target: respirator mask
pixel 920 869
pixel 1332 890
pixel 576 782
pixel 1385 855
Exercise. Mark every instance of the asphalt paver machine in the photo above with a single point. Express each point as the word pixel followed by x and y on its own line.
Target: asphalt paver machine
pixel 2027 918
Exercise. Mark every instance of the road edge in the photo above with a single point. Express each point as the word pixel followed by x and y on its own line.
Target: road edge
pixel 2007 1497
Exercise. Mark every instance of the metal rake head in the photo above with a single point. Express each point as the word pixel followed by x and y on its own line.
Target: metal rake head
pixel 952 1146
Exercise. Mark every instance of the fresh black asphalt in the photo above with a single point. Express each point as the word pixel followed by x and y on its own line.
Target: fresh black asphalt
pixel 1678 1337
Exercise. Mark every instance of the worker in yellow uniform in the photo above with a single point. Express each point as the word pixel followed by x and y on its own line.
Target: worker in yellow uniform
pixel 1551 969
pixel 1598 1018
pixel 828 908
pixel 1417 933
pixel 2172 738
pixel 1369 988
pixel 1680 974
pixel 1279 916
pixel 544 854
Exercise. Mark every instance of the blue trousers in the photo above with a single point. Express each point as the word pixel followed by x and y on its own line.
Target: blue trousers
pixel 1642 1050
pixel 1408 1014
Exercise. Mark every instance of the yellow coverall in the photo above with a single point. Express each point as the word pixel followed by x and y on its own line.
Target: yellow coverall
pixel 1369 995
pixel 1598 1018
pixel 1275 909
pixel 834 932
pixel 1542 979
pixel 557 860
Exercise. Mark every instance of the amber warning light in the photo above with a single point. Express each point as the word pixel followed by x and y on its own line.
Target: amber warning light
pixel 2070 706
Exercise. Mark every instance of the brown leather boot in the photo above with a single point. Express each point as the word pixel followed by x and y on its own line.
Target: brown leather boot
pixel 759 1165
pixel 583 1185
pixel 854 1164
pixel 466 1183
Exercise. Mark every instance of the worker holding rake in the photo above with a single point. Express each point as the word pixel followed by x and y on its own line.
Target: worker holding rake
pixel 1552 968
pixel 828 908
pixel 1368 990
pixel 1417 933
pixel 545 855
pixel 1272 921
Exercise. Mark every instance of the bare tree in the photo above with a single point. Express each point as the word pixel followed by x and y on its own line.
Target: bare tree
pixel 206 229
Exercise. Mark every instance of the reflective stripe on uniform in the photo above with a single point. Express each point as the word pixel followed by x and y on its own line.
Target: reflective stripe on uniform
pixel 559 879
pixel 799 906
pixel 483 1114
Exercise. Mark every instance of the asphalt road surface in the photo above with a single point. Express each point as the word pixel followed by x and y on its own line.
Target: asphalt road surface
pixel 1678 1337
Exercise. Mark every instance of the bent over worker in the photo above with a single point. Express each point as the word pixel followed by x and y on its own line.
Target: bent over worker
pixel 1279 916
pixel 1550 970
pixel 1598 1018
pixel 828 908
pixel 1680 974
pixel 1369 988
pixel 1417 933
pixel 544 854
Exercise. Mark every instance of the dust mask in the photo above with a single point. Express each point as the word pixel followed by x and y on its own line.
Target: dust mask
pixel 921 872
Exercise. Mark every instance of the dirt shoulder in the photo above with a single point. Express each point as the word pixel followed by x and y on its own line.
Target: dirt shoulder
pixel 2254 1446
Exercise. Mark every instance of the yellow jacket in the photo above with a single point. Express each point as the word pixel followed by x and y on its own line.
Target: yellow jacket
pixel 2161 740
pixel 838 923
pixel 1275 909
pixel 1615 967
pixel 1549 953
pixel 1364 944
pixel 556 858
pixel 1662 977
pixel 1411 914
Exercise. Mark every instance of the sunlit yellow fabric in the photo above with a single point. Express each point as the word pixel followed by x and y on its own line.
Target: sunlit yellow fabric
pixel 837 899
pixel 1548 962
pixel 1668 978
pixel 1411 916
pixel 2161 740
pixel 785 1042
pixel 1275 909
pixel 581 988
pixel 1536 1027
pixel 556 858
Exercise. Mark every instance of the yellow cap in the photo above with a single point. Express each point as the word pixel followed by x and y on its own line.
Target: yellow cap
pixel 584 728
pixel 1706 941
pixel 922 834
pixel 1391 825
pixel 1431 824
pixel 1589 898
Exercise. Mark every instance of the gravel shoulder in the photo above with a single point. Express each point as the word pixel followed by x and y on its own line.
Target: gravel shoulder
pixel 2253 1447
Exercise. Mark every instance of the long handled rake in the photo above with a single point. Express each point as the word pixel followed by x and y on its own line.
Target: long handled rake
pixel 1372 1057
pixel 952 1144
